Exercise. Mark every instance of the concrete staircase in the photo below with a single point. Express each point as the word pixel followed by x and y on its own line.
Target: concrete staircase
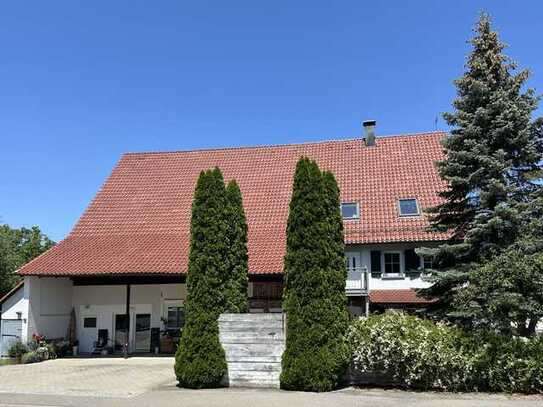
pixel 254 344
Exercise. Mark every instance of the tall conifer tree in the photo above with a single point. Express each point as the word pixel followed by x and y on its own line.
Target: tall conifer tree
pixel 314 297
pixel 237 277
pixel 200 359
pixel 493 148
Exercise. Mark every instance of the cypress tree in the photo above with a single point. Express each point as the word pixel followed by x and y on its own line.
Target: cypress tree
pixel 237 277
pixel 200 360
pixel 336 277
pixel 314 272
pixel 493 148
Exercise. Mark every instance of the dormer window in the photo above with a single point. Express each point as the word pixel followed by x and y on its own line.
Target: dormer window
pixel 408 207
pixel 350 210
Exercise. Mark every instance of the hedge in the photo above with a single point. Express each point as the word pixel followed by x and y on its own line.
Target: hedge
pixel 420 354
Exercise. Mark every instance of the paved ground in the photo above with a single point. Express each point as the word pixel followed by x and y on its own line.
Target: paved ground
pixel 146 382
pixel 93 377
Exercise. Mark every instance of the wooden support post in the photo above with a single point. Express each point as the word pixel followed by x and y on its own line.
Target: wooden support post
pixel 367 304
pixel 125 350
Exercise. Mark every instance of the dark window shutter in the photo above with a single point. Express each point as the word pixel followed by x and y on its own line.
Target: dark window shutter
pixel 375 261
pixel 412 260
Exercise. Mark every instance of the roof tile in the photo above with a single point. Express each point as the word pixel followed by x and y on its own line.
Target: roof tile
pixel 139 221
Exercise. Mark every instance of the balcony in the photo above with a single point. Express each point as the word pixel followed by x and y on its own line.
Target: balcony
pixel 357 281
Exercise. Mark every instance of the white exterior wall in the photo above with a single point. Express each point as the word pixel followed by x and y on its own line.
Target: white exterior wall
pixel 113 298
pixel 50 304
pixel 104 302
pixel 14 304
pixel 387 283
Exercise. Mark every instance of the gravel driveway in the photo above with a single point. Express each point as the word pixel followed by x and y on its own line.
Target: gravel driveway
pixel 100 377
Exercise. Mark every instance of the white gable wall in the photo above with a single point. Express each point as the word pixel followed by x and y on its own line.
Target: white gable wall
pixel 50 304
pixel 17 303
pixel 14 304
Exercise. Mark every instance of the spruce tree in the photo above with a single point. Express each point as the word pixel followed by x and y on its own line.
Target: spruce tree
pixel 506 293
pixel 237 277
pixel 314 273
pixel 200 359
pixel 493 148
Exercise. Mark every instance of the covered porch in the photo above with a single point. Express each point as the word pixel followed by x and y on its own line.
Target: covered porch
pixel 120 315
pixel 109 315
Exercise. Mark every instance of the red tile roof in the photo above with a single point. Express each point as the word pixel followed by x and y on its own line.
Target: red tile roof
pixel 407 296
pixel 138 223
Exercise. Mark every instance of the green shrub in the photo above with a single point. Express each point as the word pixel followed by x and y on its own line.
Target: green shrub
pixel 236 279
pixel 501 363
pixel 315 356
pixel 200 360
pixel 419 353
pixel 17 349
pixel 59 348
pixel 31 357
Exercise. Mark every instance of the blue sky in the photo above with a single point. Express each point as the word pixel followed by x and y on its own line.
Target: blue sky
pixel 83 82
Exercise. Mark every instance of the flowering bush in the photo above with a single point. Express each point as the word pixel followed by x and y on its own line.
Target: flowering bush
pixel 419 353
pixel 36 350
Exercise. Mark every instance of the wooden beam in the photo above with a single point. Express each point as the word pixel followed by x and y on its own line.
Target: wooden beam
pixel 124 280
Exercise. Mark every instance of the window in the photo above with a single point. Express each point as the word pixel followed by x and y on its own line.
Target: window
pixel 392 262
pixel 89 322
pixel 408 207
pixel 268 290
pixel 350 210
pixel 427 262
pixel 176 317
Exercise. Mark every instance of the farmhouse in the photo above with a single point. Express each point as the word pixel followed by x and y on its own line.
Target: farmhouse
pixel 119 276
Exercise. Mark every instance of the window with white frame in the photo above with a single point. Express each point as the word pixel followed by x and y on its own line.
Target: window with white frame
pixel 175 317
pixel 392 263
pixel 350 210
pixel 426 262
pixel 408 207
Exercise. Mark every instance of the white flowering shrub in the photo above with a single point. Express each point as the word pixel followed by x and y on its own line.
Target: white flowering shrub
pixel 419 353
pixel 407 350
